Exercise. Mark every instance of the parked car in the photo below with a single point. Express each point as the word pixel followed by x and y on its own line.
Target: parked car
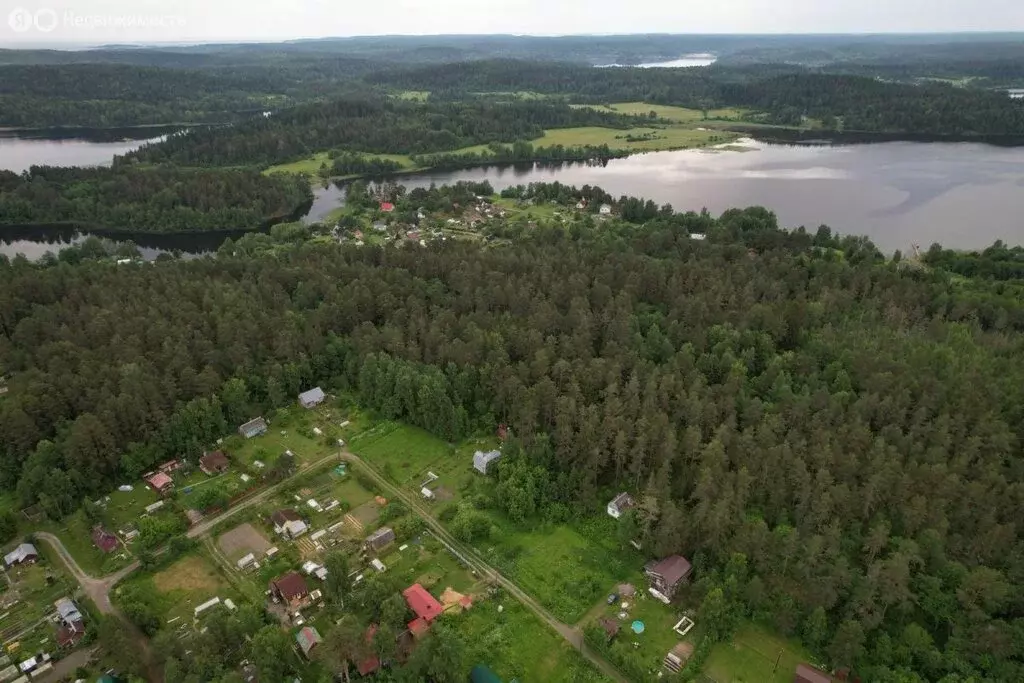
pixel 613 598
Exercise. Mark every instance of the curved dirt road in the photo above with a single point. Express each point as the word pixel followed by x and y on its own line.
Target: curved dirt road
pixel 97 589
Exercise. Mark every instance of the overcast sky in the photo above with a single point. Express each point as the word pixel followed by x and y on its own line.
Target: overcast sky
pixel 102 21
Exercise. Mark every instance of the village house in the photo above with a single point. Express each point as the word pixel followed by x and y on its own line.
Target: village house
pixel 288 523
pixel 103 539
pixel 308 638
pixel 699 236
pixel 25 553
pixel 482 460
pixel 667 575
pixel 68 611
pixel 387 207
pixel 253 427
pixel 161 483
pixel 620 504
pixel 380 538
pixel 805 673
pixel 605 210
pixel 290 589
pixel 424 605
pixel 312 398
pixel 214 463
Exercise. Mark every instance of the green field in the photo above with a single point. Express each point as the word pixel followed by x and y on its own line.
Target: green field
pixel 402 452
pixel 515 644
pixel 413 95
pixel 311 164
pixel 292 429
pixel 751 657
pixel 126 507
pixel 670 113
pixel 669 137
pixel 566 571
pixel 75 532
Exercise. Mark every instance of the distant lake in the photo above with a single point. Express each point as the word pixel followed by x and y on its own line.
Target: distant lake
pixel 20 149
pixel 686 61
pixel 963 195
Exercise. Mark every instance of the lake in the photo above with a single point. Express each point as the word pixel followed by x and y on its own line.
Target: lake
pixel 20 149
pixel 963 195
pixel 684 62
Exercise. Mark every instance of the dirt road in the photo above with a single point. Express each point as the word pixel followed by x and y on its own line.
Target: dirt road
pixel 572 635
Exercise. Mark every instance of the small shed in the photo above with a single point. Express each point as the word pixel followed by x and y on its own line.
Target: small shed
pixel 312 398
pixel 253 427
pixel 246 561
pixel 620 504
pixel 482 460
pixel 308 638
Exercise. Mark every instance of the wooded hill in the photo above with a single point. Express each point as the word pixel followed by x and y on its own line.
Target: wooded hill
pixel 851 426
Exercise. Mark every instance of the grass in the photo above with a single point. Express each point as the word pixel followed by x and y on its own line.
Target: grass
pixel 671 137
pixel 516 645
pixel 402 452
pixel 190 574
pixel 670 113
pixel 31 591
pixel 751 658
pixel 567 571
pixel 124 507
pixel 311 164
pixel 290 429
pixel 413 95
pixel 75 533
pixel 430 565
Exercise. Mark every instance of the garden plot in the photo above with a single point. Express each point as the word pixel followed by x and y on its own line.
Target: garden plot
pixel 241 541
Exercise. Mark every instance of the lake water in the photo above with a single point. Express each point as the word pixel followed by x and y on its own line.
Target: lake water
pixel 684 62
pixel 963 195
pixel 21 149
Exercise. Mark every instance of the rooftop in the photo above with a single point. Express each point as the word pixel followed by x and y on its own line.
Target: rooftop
pixel 673 568
pixel 422 603
pixel 290 586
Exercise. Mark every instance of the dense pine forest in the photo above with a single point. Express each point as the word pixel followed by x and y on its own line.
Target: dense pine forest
pixel 851 426
pixel 162 200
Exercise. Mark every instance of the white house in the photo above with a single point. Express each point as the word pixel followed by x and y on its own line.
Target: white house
pixel 24 553
pixel 482 460
pixel 605 209
pixel 699 236
pixel 620 504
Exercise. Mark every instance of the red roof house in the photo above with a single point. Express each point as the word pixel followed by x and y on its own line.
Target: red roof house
pixel 160 482
pixel 387 207
pixel 290 589
pixel 68 635
pixel 422 603
pixel 104 540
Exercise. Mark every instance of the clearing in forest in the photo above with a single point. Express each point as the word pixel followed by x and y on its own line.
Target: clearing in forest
pixel 755 656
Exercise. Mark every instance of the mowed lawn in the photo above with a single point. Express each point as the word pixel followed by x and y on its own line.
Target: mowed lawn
pixel 187 583
pixel 516 645
pixel 751 656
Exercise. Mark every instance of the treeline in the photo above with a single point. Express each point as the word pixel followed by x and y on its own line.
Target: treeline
pixel 352 163
pixel 106 95
pixel 377 125
pixel 517 152
pixel 831 437
pixel 787 95
pixel 998 262
pixel 162 200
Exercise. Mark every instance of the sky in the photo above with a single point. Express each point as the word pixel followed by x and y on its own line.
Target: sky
pixel 147 21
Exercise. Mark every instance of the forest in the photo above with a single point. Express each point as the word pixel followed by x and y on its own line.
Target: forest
pixel 787 95
pixel 371 124
pixel 833 437
pixel 163 199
